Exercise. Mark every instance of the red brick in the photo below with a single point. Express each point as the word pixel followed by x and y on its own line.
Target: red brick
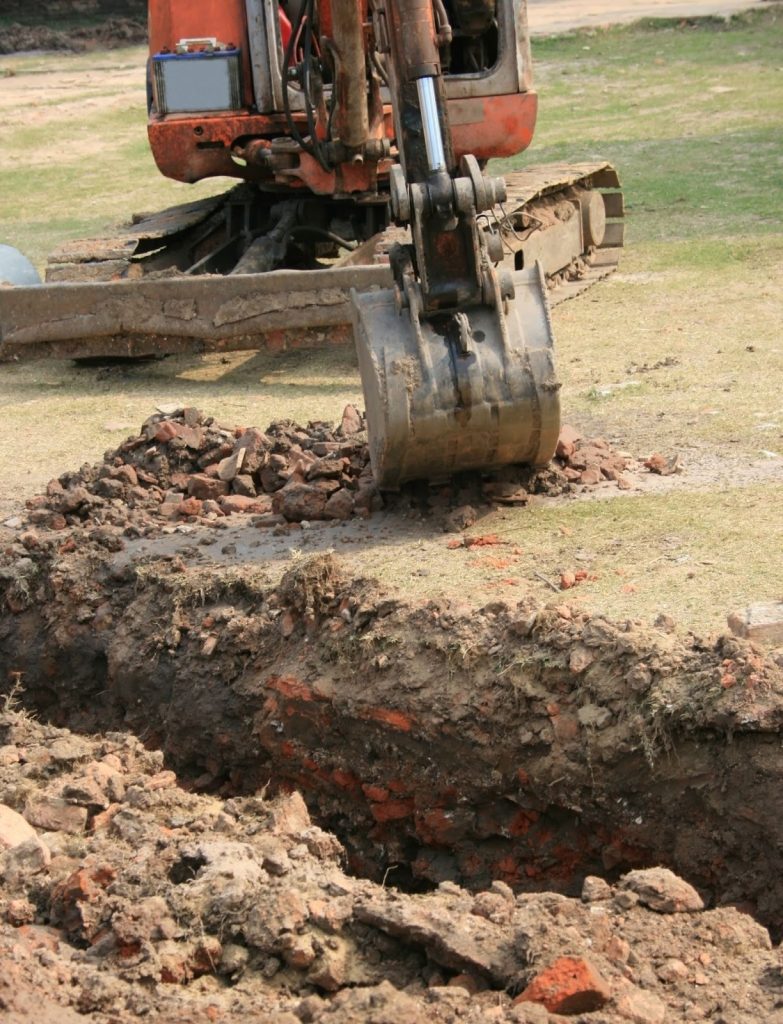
pixel 570 985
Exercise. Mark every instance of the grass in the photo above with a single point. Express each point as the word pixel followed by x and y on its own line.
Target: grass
pixel 690 115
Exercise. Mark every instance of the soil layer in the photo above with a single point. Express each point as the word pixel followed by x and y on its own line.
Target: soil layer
pixel 441 742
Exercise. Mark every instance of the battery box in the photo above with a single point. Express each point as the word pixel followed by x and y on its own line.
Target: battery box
pixel 197 82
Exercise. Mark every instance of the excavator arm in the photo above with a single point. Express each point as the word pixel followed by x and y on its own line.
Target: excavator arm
pixel 452 381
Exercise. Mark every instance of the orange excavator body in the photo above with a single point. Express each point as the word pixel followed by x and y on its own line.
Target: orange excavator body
pixel 485 122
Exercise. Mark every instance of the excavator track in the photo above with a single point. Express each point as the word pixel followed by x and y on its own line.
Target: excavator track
pixel 150 288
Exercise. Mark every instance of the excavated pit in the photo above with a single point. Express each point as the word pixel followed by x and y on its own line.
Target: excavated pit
pixel 443 749
pixel 529 745
pixel 532 745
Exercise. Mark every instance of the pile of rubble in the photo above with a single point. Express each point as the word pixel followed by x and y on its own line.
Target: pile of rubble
pixel 122 895
pixel 184 466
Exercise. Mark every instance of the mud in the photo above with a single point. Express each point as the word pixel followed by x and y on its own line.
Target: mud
pixel 489 759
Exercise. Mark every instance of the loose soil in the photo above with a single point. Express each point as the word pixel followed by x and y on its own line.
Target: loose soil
pixel 485 758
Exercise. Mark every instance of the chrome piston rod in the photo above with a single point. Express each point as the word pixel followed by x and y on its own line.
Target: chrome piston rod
pixel 433 139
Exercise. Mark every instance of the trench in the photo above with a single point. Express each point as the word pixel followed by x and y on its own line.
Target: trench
pixel 527 745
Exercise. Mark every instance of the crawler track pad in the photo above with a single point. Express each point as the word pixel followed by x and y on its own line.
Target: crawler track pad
pixel 433 411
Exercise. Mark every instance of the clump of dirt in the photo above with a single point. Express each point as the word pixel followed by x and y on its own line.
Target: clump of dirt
pixel 124 896
pixel 185 467
pixel 109 34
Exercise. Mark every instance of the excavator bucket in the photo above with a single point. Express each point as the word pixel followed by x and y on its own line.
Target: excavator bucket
pixel 466 391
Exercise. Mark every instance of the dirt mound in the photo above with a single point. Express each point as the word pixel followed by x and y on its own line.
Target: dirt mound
pixel 500 793
pixel 131 897
pixel 111 33
pixel 185 467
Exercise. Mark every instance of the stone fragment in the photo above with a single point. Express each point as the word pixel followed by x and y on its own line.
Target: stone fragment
pixel 580 659
pixel 762 623
pixel 456 939
pixel 590 476
pixel 14 829
pixel 595 889
pixel 229 467
pixel 672 970
pixel 339 505
pixel 87 792
pixel 205 487
pixel 27 858
pixel 641 1007
pixel 331 970
pixel 661 890
pixel 238 503
pixel 55 815
pixel 566 442
pixel 351 422
pixel 302 501
pixel 662 465
pixel 69 748
pixel 570 985
pixel 243 485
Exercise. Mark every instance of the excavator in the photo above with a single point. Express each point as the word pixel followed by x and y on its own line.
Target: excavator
pixel 359 132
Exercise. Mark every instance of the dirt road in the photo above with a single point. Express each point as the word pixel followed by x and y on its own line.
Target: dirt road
pixel 551 16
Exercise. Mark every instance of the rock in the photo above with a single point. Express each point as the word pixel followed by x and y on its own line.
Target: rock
pixel 206 488
pixel 659 464
pixel 660 889
pixel 165 432
pixel 580 659
pixel 570 985
pixel 595 889
pixel 641 1007
pixel 590 476
pixel 55 815
pixel 233 503
pixel 190 507
pixel 762 623
pixel 86 792
pixel 339 505
pixel 672 970
pixel 331 970
pixel 327 467
pixel 229 467
pixel 27 858
pixel 453 938
pixel 243 485
pixel 108 488
pixel 69 748
pixel 303 501
pixel 351 422
pixel 566 442
pixel 14 829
